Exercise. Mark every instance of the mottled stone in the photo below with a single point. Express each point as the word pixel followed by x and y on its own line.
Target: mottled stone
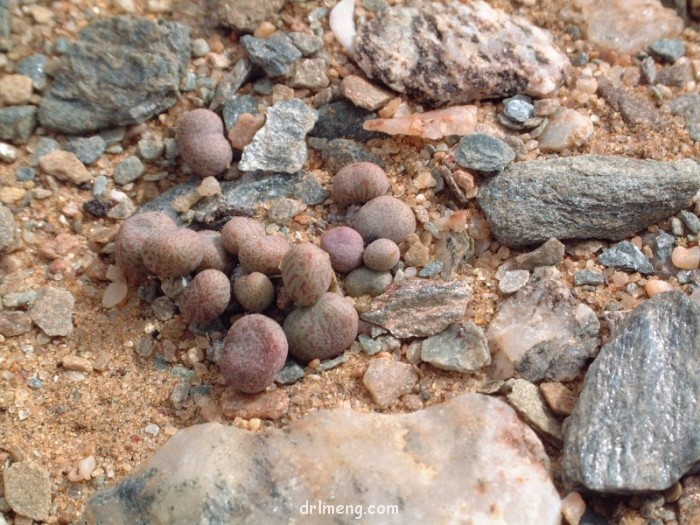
pixel 28 490
pixel 387 380
pixel 588 277
pixel 626 256
pixel 584 197
pixel 462 348
pixel 265 405
pixel 290 374
pixel 363 281
pixel 280 145
pixel 338 153
pixel 484 153
pixel 419 307
pixel 455 53
pixel 310 73
pixel 550 253
pixel 275 55
pixel 13 323
pixel 121 71
pixel 489 467
pixel 527 400
pixel 307 43
pixel 53 311
pixel 65 166
pixel 17 123
pixel 542 332
pixel 566 129
pixel 635 426
pixel 512 281
pixel 87 149
pixel 7 228
pixel 236 106
pixel 245 15
pixel 364 94
pixel 128 170
pixel 343 120
pixel 635 109
pixel 668 49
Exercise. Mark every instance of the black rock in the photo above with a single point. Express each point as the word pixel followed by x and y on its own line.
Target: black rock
pixel 627 256
pixel 275 55
pixel 341 152
pixel 634 428
pixel 17 123
pixel 343 119
pixel 484 153
pixel 121 71
pixel 96 207
pixel 585 197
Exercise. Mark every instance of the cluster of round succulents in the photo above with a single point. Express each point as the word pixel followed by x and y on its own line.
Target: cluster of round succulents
pixel 202 144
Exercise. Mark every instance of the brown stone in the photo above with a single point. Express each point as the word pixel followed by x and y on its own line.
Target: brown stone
pixel 272 404
pixel 14 323
pixel 65 166
pixel 387 380
pixel 28 490
pixel 559 398
pixel 634 109
pixel 364 94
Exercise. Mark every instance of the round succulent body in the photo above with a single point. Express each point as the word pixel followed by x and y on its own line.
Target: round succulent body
pixel 263 254
pixel 385 217
pixel 172 253
pixel 359 182
pixel 130 239
pixel 206 297
pixel 381 255
pixel 345 247
pixel 214 256
pixel 254 291
pixel 323 330
pixel 238 230
pixel 202 144
pixel 255 349
pixel 306 273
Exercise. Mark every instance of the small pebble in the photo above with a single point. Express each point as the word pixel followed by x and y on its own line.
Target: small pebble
pixel 654 287
pixel 588 277
pixel 98 208
pixel 364 281
pixel 667 49
pixel 87 149
pixel 686 258
pixel 128 170
pixel 7 153
pixel 518 109
pixel 513 281
pixel 483 153
pixel 677 227
pixel 691 221
pixel 27 489
pixel 200 47
pixel 387 380
pixel 432 269
pixel 53 311
pixel 382 343
pixel 15 90
pixel 290 373
pixel 150 149
pixel 25 173
pixel 114 294
pixel 573 508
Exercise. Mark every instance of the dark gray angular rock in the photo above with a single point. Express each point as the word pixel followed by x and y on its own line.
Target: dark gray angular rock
pixel 17 123
pixel 484 153
pixel 635 109
pixel 691 221
pixel 343 119
pixel 667 49
pixel 121 71
pixel 231 82
pixel 245 15
pixel 236 106
pixel 634 428
pixel 307 43
pixel 626 256
pixel 588 277
pixel 275 55
pixel 128 170
pixel 33 67
pixel 87 149
pixel 462 348
pixel 661 245
pixel 584 197
pixel 338 153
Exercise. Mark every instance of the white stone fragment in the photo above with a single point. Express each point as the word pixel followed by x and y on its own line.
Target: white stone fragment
pixel 342 23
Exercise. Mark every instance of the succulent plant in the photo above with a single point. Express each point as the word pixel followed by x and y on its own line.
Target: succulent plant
pixel 237 230
pixel 263 254
pixel 385 217
pixel 172 253
pixel 381 255
pixel 359 182
pixel 345 248
pixel 202 145
pixel 206 297
pixel 129 241
pixel 255 349
pixel 254 291
pixel 323 330
pixel 214 256
pixel 306 273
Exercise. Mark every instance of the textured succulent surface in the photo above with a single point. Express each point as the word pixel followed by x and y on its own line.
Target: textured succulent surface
pixel 381 255
pixel 359 182
pixel 345 247
pixel 323 330
pixel 306 273
pixel 263 254
pixel 214 255
pixel 237 230
pixel 172 253
pixel 131 236
pixel 206 297
pixel 255 349
pixel 385 217
pixel 202 145
pixel 254 291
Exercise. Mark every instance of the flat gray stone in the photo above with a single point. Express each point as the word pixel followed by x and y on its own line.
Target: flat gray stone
pixel 419 307
pixel 53 311
pixel 128 170
pixel 462 348
pixel 634 428
pixel 245 15
pixel 484 153
pixel 363 281
pixel 587 277
pixel 487 465
pixel 528 401
pixel 121 71
pixel 7 228
pixel 626 256
pixel 456 53
pixel 584 197
pixel 17 123
pixel 668 49
pixel 87 149
pixel 28 490
pixel 275 54
pixel 280 145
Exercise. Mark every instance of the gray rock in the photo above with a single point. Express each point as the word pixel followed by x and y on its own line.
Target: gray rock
pixel 310 73
pixel 17 123
pixel 635 109
pixel 25 173
pixel 242 196
pixel 542 332
pixel 688 106
pixel 382 343
pixel 19 299
pixel 528 401
pixel 113 136
pixel 431 269
pixel 163 308
pixel 667 49
pixel 678 75
pixel 626 256
pixel 245 15
pixel 275 55
pixel 307 43
pixel 344 120
pixel 584 197
pixel 512 281
pixel 34 67
pixel 454 250
pixel 215 473
pixel 4 20
pixel 236 106
pixel 483 153
pixel 330 364
pixel 200 47
pixel 45 146
pixel 462 348
pixel 53 311
pixel 290 374
pixel 518 109
pixel 150 149
pixel 419 307
pixel 363 281
pixel 7 228
pixel 14 323
pixel 588 277
pixel 550 253
pixel 648 71
pixel 338 153
pixel 634 428
pixel 280 144
pixel 691 221
pixel 87 149
pixel 128 170
pixel 662 245
pixel 412 50
pixel 230 83
pixel 121 71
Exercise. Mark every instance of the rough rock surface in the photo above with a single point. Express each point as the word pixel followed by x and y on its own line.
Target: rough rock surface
pixel 542 332
pixel 456 53
pixel 462 348
pixel 419 307
pixel 585 197
pixel 245 15
pixel 635 426
pixel 121 71
pixel 489 467
pixel 53 311
pixel 280 145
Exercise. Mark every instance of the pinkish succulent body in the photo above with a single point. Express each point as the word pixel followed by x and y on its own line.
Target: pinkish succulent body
pixel 263 254
pixel 206 297
pixel 359 182
pixel 344 246
pixel 306 273
pixel 129 242
pixel 254 291
pixel 238 230
pixel 172 253
pixel 202 144
pixel 385 217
